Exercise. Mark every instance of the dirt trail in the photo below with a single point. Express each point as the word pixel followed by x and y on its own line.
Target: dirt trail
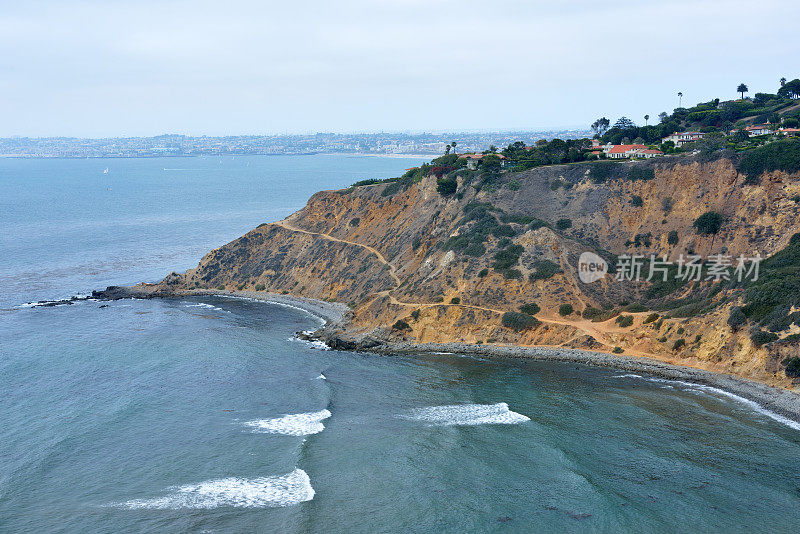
pixel 599 331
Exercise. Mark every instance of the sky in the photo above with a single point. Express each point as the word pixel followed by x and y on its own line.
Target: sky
pixel 125 68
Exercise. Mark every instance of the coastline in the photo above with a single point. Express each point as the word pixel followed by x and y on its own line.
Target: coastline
pixel 782 403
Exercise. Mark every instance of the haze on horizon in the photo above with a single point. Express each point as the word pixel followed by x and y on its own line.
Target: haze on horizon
pixel 113 68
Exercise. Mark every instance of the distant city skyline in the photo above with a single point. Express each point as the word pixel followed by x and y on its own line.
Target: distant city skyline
pixel 96 69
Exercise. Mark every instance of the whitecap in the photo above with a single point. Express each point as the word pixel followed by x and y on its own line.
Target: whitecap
pixel 702 388
pixel 300 424
pixel 629 375
pixel 468 414
pixel 263 492
pixel 313 343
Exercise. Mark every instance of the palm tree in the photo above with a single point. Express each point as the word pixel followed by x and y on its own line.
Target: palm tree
pixel 742 89
pixel 783 82
pixel 453 144
pixel 646 118
pixel 680 98
pixel 447 149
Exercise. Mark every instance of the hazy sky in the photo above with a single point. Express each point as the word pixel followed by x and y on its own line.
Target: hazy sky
pixel 111 68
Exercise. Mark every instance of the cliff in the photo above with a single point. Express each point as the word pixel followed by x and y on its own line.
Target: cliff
pixel 416 265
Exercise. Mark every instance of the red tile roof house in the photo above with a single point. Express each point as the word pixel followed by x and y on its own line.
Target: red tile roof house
pixel 758 129
pixel 474 159
pixel 791 132
pixel 632 151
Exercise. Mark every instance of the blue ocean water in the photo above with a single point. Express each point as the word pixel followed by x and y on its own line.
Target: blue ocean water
pixel 208 415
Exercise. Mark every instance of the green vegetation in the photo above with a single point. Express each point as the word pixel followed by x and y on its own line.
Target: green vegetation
pixel 792 366
pixel 708 223
pixel 260 287
pixel 653 317
pixel 617 350
pixel 624 321
pixel 602 171
pixel 415 315
pixel 531 308
pixel 508 257
pixel 760 337
pixel 636 201
pixel 565 309
pixel 563 224
pixel 544 269
pixel 518 321
pixel 769 300
pixel 737 318
pixel 680 343
pixel 672 237
pixel 446 186
pixel 455 300
pixel 641 173
pixel 483 272
pixel 401 325
pixel 782 155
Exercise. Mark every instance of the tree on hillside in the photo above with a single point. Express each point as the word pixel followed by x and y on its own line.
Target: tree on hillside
pixel 447 149
pixel 646 118
pixel 680 99
pixel 663 116
pixel 742 89
pixel 624 123
pixel 783 82
pixel 453 144
pixel 708 223
pixel 600 126
pixel 790 89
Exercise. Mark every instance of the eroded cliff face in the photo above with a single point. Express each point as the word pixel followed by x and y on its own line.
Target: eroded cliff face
pixel 391 258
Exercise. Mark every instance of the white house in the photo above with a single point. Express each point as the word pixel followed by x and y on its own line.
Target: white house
pixel 679 138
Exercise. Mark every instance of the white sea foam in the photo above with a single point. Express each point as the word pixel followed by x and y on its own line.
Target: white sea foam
pixel 629 375
pixel 204 305
pixel 263 492
pixel 313 343
pixel 300 424
pixel 468 414
pixel 702 388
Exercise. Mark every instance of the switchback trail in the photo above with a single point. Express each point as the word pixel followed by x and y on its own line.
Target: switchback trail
pixel 598 331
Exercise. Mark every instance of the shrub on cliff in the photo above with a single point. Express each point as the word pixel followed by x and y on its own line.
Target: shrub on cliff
pixel 760 337
pixel 565 309
pixel 401 325
pixel 530 308
pixel 508 257
pixel 544 269
pixel 624 321
pixel 446 186
pixel 792 366
pixel 641 173
pixel 563 224
pixel 518 321
pixel 672 237
pixel 778 156
pixel 680 343
pixel 708 223
pixel 602 171
pixel 737 318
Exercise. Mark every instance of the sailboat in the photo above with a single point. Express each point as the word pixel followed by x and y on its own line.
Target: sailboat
pixel 105 171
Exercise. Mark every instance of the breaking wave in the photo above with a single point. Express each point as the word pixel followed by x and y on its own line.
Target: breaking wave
pixel 468 414
pixel 301 424
pixel 263 492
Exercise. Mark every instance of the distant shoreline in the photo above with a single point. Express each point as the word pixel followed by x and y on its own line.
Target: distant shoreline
pixel 355 154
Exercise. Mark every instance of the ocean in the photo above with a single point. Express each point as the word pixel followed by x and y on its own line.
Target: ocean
pixel 209 415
